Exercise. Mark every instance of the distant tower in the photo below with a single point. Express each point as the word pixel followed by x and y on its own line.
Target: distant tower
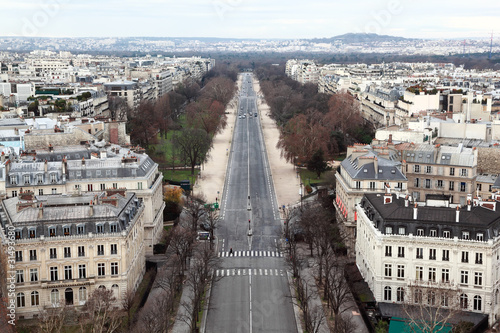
pixel 491 44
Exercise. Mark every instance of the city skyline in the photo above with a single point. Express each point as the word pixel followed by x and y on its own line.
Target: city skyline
pixel 241 19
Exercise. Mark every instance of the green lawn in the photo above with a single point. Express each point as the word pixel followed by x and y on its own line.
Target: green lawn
pixel 307 177
pixel 180 174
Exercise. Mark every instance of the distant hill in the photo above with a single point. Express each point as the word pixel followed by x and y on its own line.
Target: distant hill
pixel 351 38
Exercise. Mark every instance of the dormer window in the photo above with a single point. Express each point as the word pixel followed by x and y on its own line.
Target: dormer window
pixel 388 230
pixel 433 233
pixel 66 230
pixel 53 178
pixel 465 235
pixel 99 228
pixel 420 232
pixel 18 234
pixel 39 179
pixel 26 179
pixel 13 180
pixel 113 227
pixel 401 230
pixel 80 229
pixel 446 234
pixel 32 233
pixel 52 231
pixel 480 236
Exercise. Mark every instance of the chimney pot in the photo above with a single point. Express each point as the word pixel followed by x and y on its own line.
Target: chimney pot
pixel 415 211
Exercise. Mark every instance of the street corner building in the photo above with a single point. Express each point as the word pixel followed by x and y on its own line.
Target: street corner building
pixel 66 246
pixel 400 244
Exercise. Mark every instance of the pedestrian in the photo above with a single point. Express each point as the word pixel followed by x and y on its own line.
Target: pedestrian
pixel 230 251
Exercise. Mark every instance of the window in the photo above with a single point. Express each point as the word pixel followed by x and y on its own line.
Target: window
pixel 32 255
pixel 452 171
pixel 420 232
pixel 52 231
pixel 401 251
pixel 428 169
pixel 53 274
pixel 417 182
pixel 445 275
pixel 432 254
pixel 54 191
pixel 82 271
pixel 445 299
pixel 101 271
pixel 82 294
pixel 431 297
pixel 81 251
pixel 66 230
pixel 53 253
pixel 372 186
pixel 115 186
pixel 387 293
pixel 113 227
pixel 452 186
pixel 464 300
pixel 89 186
pixel 19 276
pixel 80 229
pixel 26 179
pixel 419 273
pixel 427 183
pixel 13 181
pixel 388 270
pixel 400 294
pixel 446 234
pixel 114 268
pixel 388 251
pixel 440 183
pixel 100 250
pixel 68 272
pixel 462 187
pixel 480 236
pixel 463 172
pixel 432 274
pixel 464 277
pixel 478 187
pixel 67 252
pixel 465 235
pixel 139 185
pixel 20 301
pixel 479 258
pixel 416 168
pixel 103 186
pixel 401 271
pixel 465 256
pixel 358 185
pixel 18 234
pixel 40 191
pixel 99 228
pixel 54 296
pixel 19 255
pixel 433 233
pixel 477 303
pixel 388 230
pixel 53 178
pixel 114 249
pixel 420 253
pixel 418 296
pixel 35 298
pixel 478 278
pixel 446 255
pixel 33 274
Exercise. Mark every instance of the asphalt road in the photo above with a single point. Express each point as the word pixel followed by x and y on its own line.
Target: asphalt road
pixel 251 291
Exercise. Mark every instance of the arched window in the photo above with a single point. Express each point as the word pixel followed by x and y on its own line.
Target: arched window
pixel 400 294
pixel 82 294
pixel 464 301
pixel 35 298
pixel 478 303
pixel 102 287
pixel 115 290
pixel 54 296
pixel 21 302
pixel 387 293
pixel 445 298
pixel 431 297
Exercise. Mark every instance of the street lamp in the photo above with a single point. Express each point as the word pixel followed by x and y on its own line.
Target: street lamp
pixel 300 192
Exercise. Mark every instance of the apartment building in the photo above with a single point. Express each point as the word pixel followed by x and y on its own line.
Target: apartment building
pixel 437 169
pixel 128 90
pixel 66 246
pixel 433 245
pixel 79 169
pixel 366 169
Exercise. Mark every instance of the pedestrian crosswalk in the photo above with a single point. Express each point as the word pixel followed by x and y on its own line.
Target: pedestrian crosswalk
pixel 250 254
pixel 250 271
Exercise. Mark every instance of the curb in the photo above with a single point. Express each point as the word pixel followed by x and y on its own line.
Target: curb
pixel 295 306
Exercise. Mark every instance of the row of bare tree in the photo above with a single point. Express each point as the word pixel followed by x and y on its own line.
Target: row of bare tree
pixel 316 225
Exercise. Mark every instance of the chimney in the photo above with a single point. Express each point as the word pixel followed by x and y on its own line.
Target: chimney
pixel 406 201
pixel 83 161
pixel 375 166
pixel 3 157
pixel 64 168
pixel 457 218
pixel 103 153
pixel 91 213
pixel 415 211
pixel 387 198
pixel 390 139
pixel 51 149
pixel 40 211
pixel 45 166
pixel 468 206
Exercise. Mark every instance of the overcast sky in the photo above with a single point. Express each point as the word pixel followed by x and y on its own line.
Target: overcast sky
pixel 249 18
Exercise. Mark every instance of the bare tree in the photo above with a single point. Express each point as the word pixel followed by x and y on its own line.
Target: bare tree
pixel 169 279
pixel 316 318
pixel 293 257
pixel 100 313
pixel 430 306
pixel 195 209
pixel 181 242
pixel 153 318
pixel 118 108
pixel 51 319
pixel 212 220
pixel 127 304
pixel 338 293
pixel 345 324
